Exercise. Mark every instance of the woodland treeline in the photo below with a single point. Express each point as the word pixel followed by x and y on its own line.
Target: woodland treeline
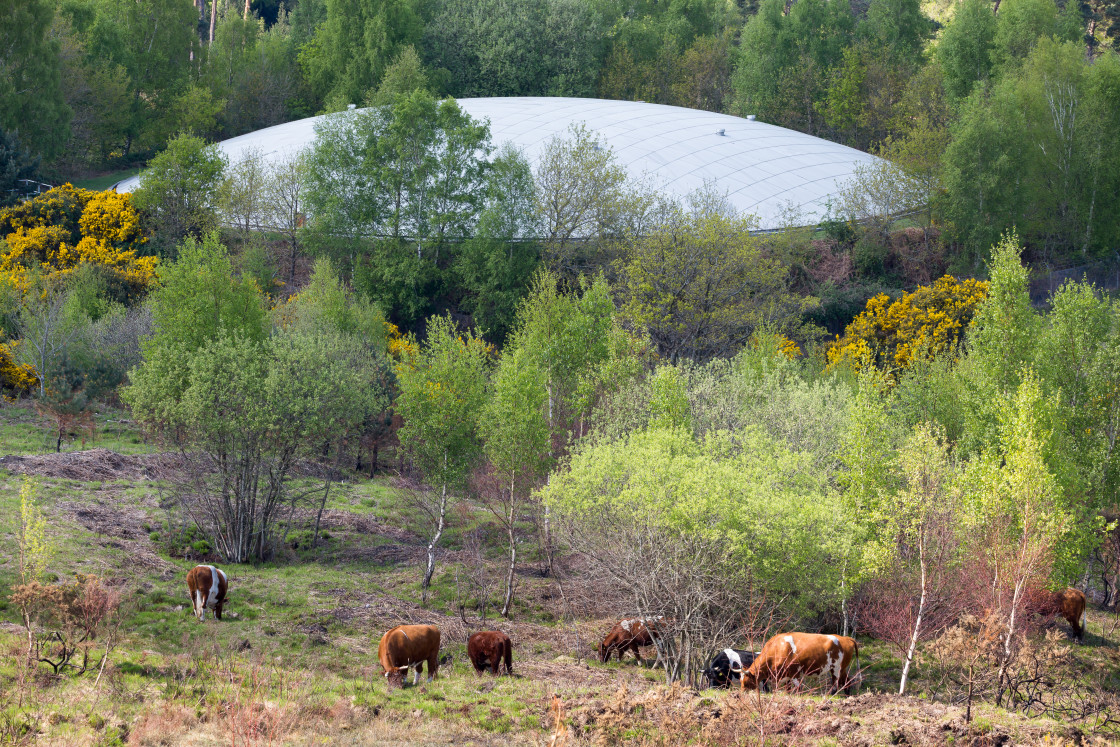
pixel 1000 114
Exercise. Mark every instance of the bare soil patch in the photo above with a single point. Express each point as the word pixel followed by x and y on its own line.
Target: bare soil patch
pixel 94 465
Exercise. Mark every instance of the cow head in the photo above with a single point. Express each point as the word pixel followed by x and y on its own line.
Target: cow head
pixel 395 677
pixel 748 680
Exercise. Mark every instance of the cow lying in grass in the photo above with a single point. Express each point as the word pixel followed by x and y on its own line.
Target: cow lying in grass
pixel 409 645
pixel 794 657
pixel 490 648
pixel 207 587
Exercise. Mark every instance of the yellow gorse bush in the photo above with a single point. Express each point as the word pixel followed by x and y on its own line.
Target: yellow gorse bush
pixel 67 227
pixel 15 378
pixel 928 321
pixel 401 347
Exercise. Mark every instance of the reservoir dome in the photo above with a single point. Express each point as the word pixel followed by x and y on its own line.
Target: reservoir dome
pixel 763 170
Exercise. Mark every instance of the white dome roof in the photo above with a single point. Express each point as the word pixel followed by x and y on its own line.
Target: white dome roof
pixel 761 168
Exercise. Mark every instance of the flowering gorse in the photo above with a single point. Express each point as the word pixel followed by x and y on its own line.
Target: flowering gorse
pixel 926 322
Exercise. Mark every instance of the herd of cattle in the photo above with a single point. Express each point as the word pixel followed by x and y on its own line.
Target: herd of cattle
pixel 786 657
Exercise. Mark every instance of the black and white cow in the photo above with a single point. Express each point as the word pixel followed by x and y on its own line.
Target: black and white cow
pixel 727 666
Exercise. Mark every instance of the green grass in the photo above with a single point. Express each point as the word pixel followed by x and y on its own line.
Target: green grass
pixel 105 181
pixel 301 632
pixel 25 431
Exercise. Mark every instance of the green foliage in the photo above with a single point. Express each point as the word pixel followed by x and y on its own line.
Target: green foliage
pixel 413 173
pixel 514 423
pixel 785 60
pixel 355 45
pixel 442 394
pixel 200 297
pixel 326 305
pixel 35 550
pixel 581 199
pixel 404 76
pixel 964 50
pixel 494 267
pixel 702 285
pixel 742 491
pixel 16 163
pixel 178 193
pixel 497 48
pixel 31 103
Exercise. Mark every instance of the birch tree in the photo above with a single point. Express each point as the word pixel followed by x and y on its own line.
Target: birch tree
pixel 515 433
pixel 915 522
pixel 442 392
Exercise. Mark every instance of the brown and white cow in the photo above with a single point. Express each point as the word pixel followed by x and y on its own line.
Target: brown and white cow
pixel 628 635
pixel 208 587
pixel 490 647
pixel 794 657
pixel 409 645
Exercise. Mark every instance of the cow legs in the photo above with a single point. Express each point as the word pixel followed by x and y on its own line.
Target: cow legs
pixel 218 609
pixel 416 677
pixel 433 666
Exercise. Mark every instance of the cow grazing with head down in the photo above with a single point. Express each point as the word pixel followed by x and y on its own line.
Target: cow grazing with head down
pixel 207 587
pixel 728 666
pixel 797 656
pixel 1071 604
pixel 409 645
pixel 490 648
pixel 628 635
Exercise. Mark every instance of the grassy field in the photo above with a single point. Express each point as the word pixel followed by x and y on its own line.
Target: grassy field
pixel 294 660
pixel 104 181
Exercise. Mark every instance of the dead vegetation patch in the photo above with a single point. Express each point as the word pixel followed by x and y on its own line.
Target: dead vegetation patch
pixel 678 715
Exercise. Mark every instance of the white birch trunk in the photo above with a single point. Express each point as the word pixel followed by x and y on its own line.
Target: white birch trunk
pixel 918 620
pixel 435 541
pixel 512 554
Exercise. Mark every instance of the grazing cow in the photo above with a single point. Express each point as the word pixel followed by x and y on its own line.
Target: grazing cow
pixel 409 645
pixel 1071 603
pixel 628 635
pixel 207 586
pixel 490 647
pixel 728 666
pixel 796 656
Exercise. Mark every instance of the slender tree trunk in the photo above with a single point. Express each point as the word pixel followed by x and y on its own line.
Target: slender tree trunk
pixel 213 18
pixel 246 13
pixel 547 515
pixel 921 609
pixel 512 553
pixel 435 541
pixel 319 516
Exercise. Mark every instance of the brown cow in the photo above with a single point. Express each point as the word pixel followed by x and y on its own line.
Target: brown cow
pixel 207 587
pixel 628 635
pixel 1071 604
pixel 490 647
pixel 796 656
pixel 409 645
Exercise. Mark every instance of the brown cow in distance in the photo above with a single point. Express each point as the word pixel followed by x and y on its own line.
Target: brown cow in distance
pixel 490 647
pixel 409 645
pixel 207 587
pixel 1070 604
pixel 628 635
pixel 797 656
